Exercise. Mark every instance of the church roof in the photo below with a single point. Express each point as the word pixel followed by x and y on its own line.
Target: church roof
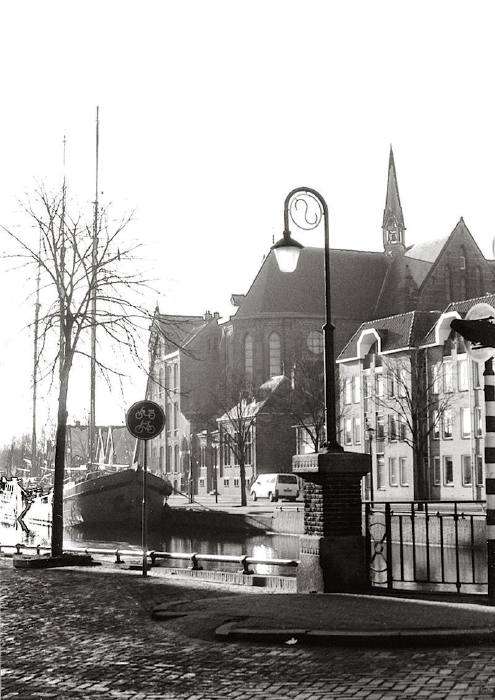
pixel 428 251
pixel 179 331
pixel 301 293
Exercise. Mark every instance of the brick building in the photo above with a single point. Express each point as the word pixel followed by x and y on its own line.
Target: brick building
pixel 279 319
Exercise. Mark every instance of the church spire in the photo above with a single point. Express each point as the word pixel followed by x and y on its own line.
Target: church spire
pixel 393 220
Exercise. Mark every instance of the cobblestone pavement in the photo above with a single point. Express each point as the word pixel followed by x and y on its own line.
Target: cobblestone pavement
pixel 89 634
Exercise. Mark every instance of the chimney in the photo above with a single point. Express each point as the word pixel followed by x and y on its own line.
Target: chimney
pixel 207 316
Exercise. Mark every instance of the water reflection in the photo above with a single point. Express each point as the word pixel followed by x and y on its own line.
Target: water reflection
pixel 259 546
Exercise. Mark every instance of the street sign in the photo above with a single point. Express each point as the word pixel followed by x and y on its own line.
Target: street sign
pixel 476 313
pixel 145 420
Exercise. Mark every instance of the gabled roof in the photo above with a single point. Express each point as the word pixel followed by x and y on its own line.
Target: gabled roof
pixel 461 307
pixel 302 291
pixel 249 409
pixel 395 332
pixel 427 251
pixel 178 330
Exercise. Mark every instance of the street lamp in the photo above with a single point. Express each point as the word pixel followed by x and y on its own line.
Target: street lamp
pixel 370 430
pixel 287 254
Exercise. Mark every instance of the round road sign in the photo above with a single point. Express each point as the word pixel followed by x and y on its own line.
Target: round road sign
pixel 475 313
pixel 145 420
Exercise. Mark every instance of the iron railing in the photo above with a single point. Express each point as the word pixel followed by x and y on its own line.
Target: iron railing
pixel 425 544
pixel 194 558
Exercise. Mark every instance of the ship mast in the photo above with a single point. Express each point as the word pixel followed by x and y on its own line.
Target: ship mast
pixel 34 451
pixel 92 402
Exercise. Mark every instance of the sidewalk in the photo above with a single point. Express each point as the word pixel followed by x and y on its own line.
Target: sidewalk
pixel 92 633
pixel 347 619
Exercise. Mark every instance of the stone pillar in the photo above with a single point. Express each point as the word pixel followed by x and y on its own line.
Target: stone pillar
pixel 332 550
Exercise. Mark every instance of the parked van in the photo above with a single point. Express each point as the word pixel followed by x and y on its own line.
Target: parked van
pixel 275 486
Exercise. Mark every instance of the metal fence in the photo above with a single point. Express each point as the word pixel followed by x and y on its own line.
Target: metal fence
pixel 423 544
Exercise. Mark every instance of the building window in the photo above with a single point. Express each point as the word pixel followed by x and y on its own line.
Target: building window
pixel 357 430
pixel 226 451
pixel 356 389
pixel 315 342
pixel 249 447
pixel 465 422
pixel 366 392
pixel 248 356
pixel 392 428
pixel 403 387
pixel 391 384
pixel 448 471
pixel 176 458
pixel 161 380
pixel 380 428
pixel 403 472
pixel 226 482
pixel 462 375
pixel 447 424
pixel 448 377
pixel 168 422
pixel 348 431
pixel 436 375
pixel 348 390
pixel 169 377
pixel 379 384
pixel 392 471
pixel 478 421
pixel 275 357
pixel 435 425
pixel 236 481
pixel 437 472
pixel 479 471
pixel 476 375
pixel 304 442
pixel 402 428
pixel 176 416
pixel 380 471
pixel 202 483
pixel 467 475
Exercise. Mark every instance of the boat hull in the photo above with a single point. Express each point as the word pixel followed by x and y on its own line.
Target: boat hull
pixel 115 499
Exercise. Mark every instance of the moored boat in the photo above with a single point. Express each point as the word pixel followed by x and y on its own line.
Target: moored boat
pixel 115 498
pixel 13 500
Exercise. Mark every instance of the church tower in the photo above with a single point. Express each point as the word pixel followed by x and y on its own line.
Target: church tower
pixel 393 227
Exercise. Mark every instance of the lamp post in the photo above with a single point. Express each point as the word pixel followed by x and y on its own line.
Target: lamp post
pixel 370 430
pixel 287 253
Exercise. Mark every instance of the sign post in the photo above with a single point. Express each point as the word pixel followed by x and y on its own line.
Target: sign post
pixel 145 420
pixel 478 328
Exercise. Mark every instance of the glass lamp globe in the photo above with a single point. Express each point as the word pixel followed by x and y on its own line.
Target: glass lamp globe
pixel 287 252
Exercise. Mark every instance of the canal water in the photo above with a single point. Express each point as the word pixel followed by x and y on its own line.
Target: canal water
pixel 258 546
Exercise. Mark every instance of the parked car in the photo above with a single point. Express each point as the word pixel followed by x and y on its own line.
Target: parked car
pixel 275 486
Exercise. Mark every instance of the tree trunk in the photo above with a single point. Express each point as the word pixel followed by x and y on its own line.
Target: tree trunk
pixel 242 475
pixel 58 478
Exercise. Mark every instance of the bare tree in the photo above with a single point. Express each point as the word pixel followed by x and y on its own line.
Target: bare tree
pixel 305 399
pixel 239 409
pixel 79 261
pixel 412 400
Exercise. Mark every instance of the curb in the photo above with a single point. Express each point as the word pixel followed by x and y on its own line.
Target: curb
pixel 407 637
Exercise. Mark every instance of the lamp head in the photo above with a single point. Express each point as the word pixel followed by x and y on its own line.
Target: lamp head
pixel 287 252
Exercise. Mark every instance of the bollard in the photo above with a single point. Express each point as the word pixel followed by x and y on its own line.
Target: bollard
pixel 489 379
pixel 18 548
pixel 194 563
pixel 118 560
pixel 38 549
pixel 245 566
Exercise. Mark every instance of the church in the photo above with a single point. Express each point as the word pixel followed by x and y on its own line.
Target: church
pixel 279 319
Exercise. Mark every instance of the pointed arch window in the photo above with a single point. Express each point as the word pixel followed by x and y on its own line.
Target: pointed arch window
pixel 248 356
pixel 275 355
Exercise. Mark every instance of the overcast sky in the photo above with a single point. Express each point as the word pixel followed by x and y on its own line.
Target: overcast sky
pixel 211 111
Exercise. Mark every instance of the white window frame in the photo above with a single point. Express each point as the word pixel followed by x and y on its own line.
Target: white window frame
pixel 403 476
pixel 448 376
pixel 347 431
pixel 464 461
pixel 465 422
pixel 356 389
pixel 478 421
pixel 445 459
pixel 437 471
pixel 356 430
pixel 380 471
pixel 393 475
pixel 480 476
pixel 462 374
pixel 448 413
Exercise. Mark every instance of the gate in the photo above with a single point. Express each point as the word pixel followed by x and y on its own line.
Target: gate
pixel 427 545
